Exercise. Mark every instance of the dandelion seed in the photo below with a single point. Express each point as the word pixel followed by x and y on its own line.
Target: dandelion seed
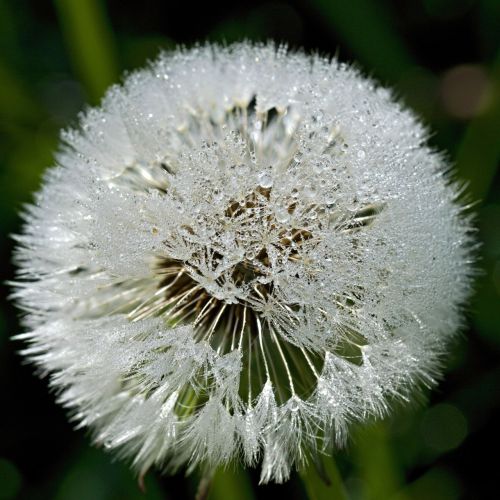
pixel 241 252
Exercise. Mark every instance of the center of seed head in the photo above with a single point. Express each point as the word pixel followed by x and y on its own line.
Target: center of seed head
pixel 183 297
pixel 217 319
pixel 237 309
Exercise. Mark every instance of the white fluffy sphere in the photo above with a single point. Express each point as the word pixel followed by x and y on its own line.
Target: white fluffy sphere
pixel 239 253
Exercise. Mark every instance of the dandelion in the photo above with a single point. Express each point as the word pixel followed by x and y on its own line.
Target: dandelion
pixel 240 253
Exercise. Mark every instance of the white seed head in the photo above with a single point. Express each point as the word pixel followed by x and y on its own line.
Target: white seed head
pixel 242 251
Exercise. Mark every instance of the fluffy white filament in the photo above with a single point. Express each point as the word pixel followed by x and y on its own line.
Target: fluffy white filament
pixel 239 253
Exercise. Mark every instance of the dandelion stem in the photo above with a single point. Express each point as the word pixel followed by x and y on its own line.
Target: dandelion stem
pixel 322 480
pixel 287 368
pixel 231 484
pixel 375 461
pixel 259 329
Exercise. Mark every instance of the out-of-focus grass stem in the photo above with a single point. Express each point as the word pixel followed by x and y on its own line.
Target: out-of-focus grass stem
pixel 381 477
pixel 329 487
pixel 231 484
pixel 90 43
pixel 366 28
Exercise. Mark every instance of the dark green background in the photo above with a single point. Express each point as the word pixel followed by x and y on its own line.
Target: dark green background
pixel 441 56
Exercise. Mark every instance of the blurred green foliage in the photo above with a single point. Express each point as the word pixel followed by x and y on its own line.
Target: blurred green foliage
pixel 90 44
pixel 442 58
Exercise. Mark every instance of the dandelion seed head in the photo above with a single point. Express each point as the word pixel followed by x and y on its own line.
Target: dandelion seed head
pixel 239 253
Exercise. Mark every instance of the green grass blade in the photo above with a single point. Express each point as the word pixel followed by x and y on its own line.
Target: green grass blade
pixel 374 458
pixel 15 101
pixel 90 42
pixel 317 487
pixel 366 28
pixel 231 484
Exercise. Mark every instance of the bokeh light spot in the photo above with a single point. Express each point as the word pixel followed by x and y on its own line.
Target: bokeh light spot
pixel 444 427
pixel 465 91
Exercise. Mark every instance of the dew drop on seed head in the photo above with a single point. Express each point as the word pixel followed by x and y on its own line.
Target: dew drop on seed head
pixel 265 180
pixel 298 157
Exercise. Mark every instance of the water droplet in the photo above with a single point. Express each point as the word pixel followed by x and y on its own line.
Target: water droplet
pixel 310 190
pixel 312 215
pixel 282 215
pixel 294 404
pixel 318 116
pixel 318 167
pixel 265 180
pixel 218 194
